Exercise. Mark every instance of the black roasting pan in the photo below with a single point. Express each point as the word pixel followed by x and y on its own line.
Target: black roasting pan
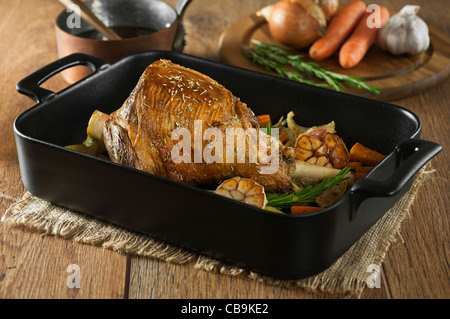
pixel 283 246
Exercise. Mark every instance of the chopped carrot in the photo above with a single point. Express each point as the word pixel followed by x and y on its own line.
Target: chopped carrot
pixel 359 176
pixel 363 169
pixel 340 27
pixel 354 165
pixel 365 155
pixel 362 38
pixel 283 137
pixel 304 209
pixel 263 119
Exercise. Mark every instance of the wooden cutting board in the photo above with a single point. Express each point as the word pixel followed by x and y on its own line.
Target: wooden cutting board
pixel 396 76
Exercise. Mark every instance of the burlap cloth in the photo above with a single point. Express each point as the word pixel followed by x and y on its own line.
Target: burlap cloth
pixel 347 277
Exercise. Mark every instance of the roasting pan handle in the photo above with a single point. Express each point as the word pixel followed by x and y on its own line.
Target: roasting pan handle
pixel 409 156
pixel 30 86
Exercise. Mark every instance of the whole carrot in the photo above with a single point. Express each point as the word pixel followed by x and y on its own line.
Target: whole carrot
pixel 338 30
pixel 355 48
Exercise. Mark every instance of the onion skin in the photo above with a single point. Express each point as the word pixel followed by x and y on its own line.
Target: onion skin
pixel 329 7
pixel 291 25
pixel 315 11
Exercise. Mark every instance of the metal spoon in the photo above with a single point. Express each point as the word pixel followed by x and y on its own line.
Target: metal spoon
pixel 92 19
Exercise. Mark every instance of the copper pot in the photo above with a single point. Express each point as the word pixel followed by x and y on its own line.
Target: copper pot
pixel 143 25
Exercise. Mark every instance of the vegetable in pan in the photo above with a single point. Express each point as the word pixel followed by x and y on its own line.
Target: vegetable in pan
pixel 308 194
pixel 325 169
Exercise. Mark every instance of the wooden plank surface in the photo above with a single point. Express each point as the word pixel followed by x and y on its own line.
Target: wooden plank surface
pixel 419 267
pixel 32 266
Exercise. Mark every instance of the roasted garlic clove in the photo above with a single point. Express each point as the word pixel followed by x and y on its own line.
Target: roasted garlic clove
pixel 322 148
pixel 243 190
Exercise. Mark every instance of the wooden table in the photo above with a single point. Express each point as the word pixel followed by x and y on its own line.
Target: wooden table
pixel 32 266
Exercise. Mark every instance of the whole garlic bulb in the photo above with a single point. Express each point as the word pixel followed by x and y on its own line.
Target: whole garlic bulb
pixel 405 33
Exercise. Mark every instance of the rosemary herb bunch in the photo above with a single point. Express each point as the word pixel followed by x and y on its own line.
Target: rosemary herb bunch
pixel 276 67
pixel 307 195
pixel 276 58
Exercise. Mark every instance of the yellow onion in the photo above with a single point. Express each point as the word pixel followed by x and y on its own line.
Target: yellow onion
pixel 296 23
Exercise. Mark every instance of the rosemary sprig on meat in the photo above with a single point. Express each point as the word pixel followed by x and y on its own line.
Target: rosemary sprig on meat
pixel 269 129
pixel 307 195
pixel 273 57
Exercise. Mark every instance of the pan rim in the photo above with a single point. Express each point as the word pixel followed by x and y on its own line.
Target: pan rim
pixel 167 55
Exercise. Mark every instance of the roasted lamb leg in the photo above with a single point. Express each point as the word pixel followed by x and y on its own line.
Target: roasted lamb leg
pixel 169 97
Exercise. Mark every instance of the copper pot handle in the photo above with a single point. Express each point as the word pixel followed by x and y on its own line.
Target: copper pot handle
pixel 179 42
